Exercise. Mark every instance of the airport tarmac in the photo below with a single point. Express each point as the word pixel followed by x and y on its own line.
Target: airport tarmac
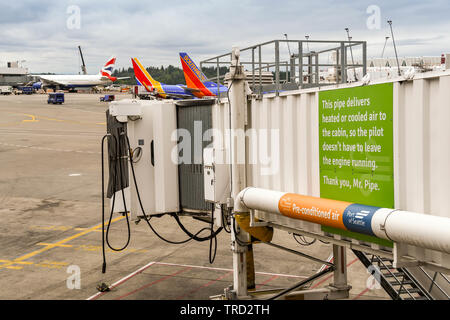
pixel 50 221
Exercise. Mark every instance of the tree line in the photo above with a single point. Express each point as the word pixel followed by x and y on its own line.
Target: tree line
pixel 167 75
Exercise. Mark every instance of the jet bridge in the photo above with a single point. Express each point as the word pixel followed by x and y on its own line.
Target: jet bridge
pixel 362 166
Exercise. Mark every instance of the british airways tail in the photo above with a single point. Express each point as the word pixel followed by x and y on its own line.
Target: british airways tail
pixel 145 79
pixel 195 79
pixel 107 69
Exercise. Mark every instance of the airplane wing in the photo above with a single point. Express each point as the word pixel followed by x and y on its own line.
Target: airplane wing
pixel 123 78
pixel 179 96
pixel 190 89
pixel 175 95
pixel 154 92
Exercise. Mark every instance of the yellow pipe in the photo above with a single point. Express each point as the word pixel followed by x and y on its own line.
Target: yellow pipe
pixel 264 234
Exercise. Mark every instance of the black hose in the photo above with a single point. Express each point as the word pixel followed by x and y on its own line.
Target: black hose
pixel 106 239
pixel 303 240
pixel 224 220
pixel 212 257
pixel 124 203
pixel 103 206
pixel 182 227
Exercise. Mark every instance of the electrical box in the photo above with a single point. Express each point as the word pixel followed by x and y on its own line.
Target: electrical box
pixel 216 177
pixel 150 125
pixel 208 174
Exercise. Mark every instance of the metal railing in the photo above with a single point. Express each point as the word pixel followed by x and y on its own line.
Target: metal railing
pixel 307 65
pixel 434 282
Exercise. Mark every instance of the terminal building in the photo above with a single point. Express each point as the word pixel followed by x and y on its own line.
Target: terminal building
pixel 11 74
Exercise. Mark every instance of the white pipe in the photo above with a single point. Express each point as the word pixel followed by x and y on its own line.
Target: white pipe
pixel 418 229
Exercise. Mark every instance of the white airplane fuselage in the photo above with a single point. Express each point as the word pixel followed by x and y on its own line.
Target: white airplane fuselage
pixel 76 81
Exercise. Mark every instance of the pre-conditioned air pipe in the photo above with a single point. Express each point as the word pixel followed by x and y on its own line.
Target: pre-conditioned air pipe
pixel 421 230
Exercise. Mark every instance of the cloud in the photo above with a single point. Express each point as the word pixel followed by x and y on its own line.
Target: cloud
pixel 155 31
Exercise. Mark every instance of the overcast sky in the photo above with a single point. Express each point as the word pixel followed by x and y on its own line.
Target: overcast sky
pixel 46 34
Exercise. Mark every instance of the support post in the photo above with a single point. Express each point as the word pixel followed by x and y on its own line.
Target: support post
pixel 316 68
pixel 364 48
pixel 243 269
pixel 277 67
pixel 300 64
pixel 340 271
pixel 292 69
pixel 343 63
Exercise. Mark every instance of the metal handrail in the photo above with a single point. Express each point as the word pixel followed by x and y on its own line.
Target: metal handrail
pixel 444 276
pixel 434 283
pixel 295 65
pixel 396 279
pixel 416 283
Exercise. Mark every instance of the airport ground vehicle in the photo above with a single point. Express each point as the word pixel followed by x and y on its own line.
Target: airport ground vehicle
pixel 108 98
pixel 55 98
pixel 6 90
pixel 26 90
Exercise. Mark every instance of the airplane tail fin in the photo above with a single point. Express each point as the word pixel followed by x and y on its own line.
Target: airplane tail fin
pixel 107 69
pixel 143 77
pixel 193 76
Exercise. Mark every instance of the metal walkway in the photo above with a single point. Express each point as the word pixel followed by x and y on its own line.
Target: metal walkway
pixel 401 283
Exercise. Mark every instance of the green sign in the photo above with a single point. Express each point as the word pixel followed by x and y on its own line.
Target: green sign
pixel 356 148
pixel 356 145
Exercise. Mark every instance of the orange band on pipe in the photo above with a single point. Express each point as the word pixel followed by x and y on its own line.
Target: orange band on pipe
pixel 322 211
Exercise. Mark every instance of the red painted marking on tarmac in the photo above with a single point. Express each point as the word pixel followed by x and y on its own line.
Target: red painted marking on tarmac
pixel 118 283
pixel 326 278
pixel 361 293
pixel 152 283
pixel 266 282
pixel 204 286
pixel 121 281
pixel 224 269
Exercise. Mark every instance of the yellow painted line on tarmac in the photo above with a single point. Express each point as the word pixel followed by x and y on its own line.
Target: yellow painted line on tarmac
pixel 81 229
pixel 18 265
pixel 57 120
pixel 33 118
pixel 55 245
pixel 51 264
pixel 9 264
pixel 62 242
pixel 60 228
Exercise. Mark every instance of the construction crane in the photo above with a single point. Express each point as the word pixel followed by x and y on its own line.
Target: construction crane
pixel 83 65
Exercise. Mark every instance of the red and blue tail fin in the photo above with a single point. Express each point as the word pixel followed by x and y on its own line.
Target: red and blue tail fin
pixel 107 69
pixel 195 79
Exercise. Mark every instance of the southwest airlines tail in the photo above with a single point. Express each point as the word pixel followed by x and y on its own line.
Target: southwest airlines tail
pixel 144 78
pixel 108 68
pixel 195 79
